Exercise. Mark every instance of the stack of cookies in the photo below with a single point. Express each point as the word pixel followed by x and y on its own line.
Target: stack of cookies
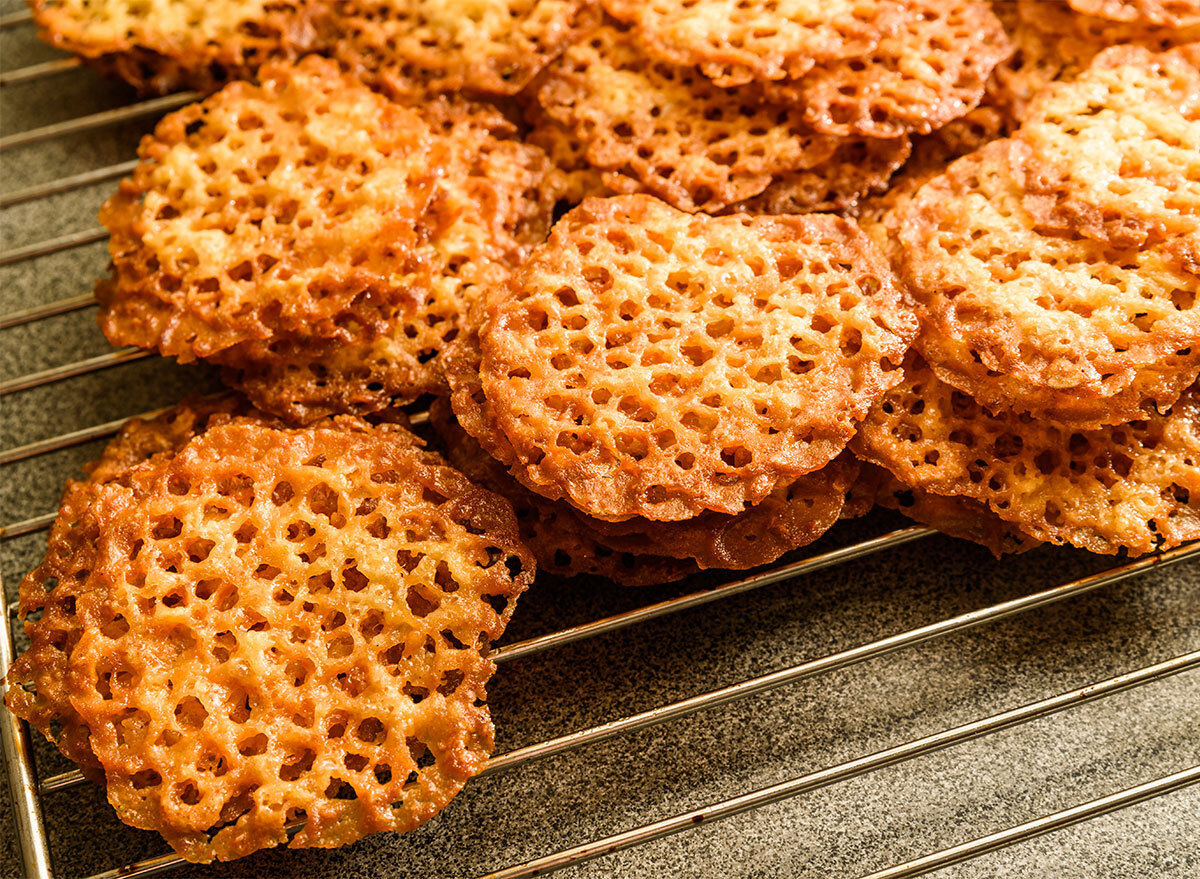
pixel 316 238
pixel 682 385
pixel 760 107
pixel 1056 274
pixel 681 282
pixel 1050 42
pixel 403 47
pixel 1055 42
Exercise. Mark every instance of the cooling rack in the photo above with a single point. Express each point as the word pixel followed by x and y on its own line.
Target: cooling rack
pixel 632 672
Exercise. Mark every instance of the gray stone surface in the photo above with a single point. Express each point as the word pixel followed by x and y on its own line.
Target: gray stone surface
pixel 844 830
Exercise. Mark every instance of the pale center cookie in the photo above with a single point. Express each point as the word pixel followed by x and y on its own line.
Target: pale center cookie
pixel 1057 270
pixel 734 42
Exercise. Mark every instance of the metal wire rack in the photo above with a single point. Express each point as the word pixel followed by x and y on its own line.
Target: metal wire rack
pixel 28 789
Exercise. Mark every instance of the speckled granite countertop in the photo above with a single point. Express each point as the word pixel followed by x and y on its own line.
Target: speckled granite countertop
pixel 845 830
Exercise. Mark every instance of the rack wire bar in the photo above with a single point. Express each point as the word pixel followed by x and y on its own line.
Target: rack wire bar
pixel 67 184
pixel 50 309
pixel 96 120
pixel 66 440
pixel 15 18
pixel 164 863
pixel 148 867
pixel 27 526
pixel 39 71
pixel 850 769
pixel 1041 826
pixel 62 781
pixel 22 782
pixel 70 370
pixel 53 245
pixel 696 599
pixel 836 661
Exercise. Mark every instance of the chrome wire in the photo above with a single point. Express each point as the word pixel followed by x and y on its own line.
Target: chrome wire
pixel 66 184
pixel 52 245
pixel 845 658
pixel 139 110
pixel 1040 826
pixel 27 526
pixel 850 769
pixel 15 18
pixel 38 71
pixel 66 440
pixel 149 867
pixel 50 309
pixel 71 370
pixel 32 844
pixel 62 781
pixel 696 599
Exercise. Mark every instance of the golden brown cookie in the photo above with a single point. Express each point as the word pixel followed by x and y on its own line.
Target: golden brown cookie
pixel 168 45
pixel 964 135
pixel 1114 153
pixel 1049 44
pixel 858 167
pixel 574 178
pixel 667 130
pixel 649 362
pixel 563 541
pixel 50 593
pixel 1053 43
pixel 931 71
pixel 553 533
pixel 959 517
pixel 734 42
pixel 1062 326
pixel 789 518
pixel 930 155
pixel 323 600
pixel 1172 13
pixel 638 551
pixel 861 498
pixel 472 413
pixel 490 204
pixel 283 208
pixel 1134 486
pixel 413 47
